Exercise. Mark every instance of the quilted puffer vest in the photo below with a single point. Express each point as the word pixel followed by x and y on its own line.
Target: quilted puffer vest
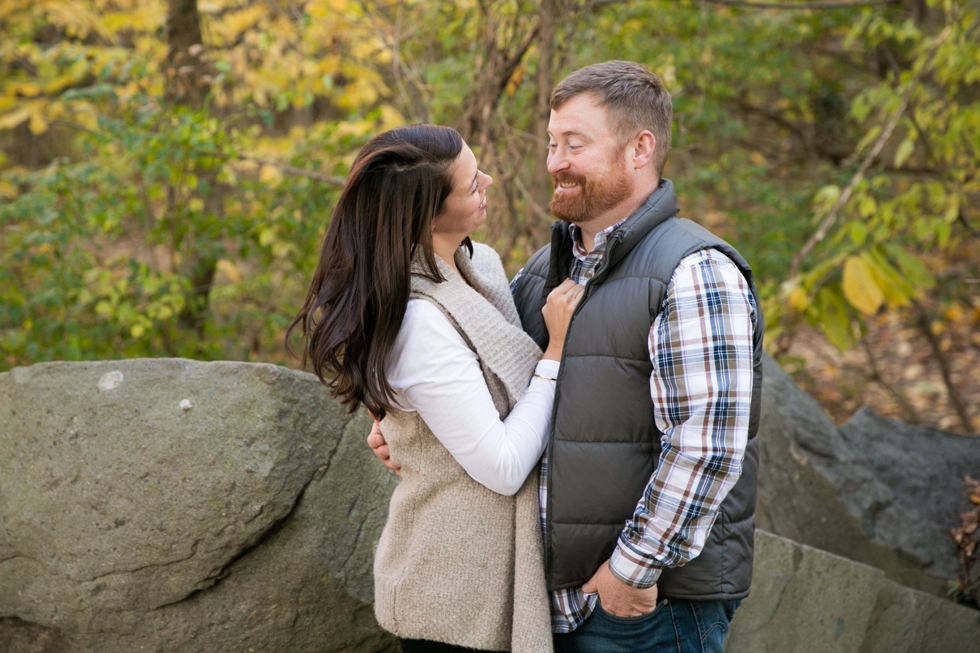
pixel 605 444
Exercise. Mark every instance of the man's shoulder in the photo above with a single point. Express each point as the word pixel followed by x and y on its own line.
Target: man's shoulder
pixel 709 256
pixel 693 230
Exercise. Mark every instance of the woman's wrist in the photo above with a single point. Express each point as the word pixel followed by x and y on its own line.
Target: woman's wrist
pixel 553 352
pixel 547 369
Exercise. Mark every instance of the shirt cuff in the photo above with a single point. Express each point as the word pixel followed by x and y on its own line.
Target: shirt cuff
pixel 633 569
pixel 547 367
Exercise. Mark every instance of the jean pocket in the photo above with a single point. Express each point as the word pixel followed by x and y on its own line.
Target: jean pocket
pixel 640 618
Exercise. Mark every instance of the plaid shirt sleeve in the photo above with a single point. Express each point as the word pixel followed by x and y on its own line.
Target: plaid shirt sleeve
pixel 701 386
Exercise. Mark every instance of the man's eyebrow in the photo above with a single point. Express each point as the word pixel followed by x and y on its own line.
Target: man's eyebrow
pixel 572 132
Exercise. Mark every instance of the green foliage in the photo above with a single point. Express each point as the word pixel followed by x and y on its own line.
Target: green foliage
pixel 95 252
pixel 99 249
pixel 910 204
pixel 113 201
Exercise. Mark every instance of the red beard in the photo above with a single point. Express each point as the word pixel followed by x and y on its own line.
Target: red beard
pixel 596 195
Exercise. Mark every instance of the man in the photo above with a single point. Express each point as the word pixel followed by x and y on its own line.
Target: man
pixel 657 400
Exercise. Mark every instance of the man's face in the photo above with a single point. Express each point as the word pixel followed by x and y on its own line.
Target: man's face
pixel 587 162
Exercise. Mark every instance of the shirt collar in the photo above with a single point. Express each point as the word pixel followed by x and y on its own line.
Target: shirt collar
pixel 578 249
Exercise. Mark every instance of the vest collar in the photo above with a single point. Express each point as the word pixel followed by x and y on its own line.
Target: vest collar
pixel 659 206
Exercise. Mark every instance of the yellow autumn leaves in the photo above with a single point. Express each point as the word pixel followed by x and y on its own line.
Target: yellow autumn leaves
pixel 870 280
pixel 860 286
pixel 259 53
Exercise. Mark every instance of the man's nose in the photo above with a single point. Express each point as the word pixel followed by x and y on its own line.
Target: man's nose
pixel 556 162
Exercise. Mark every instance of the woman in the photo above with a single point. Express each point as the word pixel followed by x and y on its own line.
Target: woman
pixel 409 317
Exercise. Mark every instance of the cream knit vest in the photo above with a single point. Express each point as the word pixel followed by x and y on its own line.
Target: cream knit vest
pixel 458 563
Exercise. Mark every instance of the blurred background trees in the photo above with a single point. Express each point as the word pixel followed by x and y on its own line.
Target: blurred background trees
pixel 168 168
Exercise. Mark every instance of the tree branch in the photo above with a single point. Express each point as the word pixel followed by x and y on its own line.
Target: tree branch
pixel 285 167
pixel 599 4
pixel 777 118
pixel 937 352
pixel 911 416
pixel 879 144
pixel 828 4
pixel 515 59
pixel 294 171
pixel 542 214
pixel 973 231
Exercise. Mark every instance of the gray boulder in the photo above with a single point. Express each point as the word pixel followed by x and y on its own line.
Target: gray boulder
pixel 172 505
pixel 905 484
pixel 805 600
pixel 875 491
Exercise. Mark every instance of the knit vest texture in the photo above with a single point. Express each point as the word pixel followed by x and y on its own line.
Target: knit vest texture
pixel 457 562
pixel 605 444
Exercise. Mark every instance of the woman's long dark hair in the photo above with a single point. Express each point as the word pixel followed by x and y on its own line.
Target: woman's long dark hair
pixel 357 299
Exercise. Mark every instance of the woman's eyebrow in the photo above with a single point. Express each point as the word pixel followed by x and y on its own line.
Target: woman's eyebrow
pixel 473 183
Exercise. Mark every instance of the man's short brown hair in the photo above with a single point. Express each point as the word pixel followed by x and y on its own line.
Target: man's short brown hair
pixel 635 97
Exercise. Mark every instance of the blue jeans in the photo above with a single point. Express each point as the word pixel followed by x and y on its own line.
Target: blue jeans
pixel 675 626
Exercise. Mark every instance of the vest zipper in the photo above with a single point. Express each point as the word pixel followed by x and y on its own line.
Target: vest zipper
pixel 601 272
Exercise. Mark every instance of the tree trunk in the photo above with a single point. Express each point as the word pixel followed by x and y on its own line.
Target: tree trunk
pixel 186 80
pixel 540 179
pixel 187 83
pixel 195 313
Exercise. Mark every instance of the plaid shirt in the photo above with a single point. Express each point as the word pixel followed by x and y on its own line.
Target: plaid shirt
pixel 701 388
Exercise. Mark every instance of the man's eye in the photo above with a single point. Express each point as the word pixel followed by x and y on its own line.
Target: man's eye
pixel 552 146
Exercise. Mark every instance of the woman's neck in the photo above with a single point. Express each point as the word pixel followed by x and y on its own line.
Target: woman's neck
pixel 445 248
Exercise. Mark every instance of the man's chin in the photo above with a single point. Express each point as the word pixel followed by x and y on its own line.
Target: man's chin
pixel 568 211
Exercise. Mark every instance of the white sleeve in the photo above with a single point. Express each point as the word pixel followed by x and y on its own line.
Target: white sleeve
pixel 434 372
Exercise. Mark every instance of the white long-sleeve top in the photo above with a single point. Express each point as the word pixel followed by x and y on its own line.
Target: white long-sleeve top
pixel 433 372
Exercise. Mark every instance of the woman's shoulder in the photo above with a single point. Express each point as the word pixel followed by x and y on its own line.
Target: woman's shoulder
pixel 427 328
pixel 426 338
pixel 421 314
pixel 486 257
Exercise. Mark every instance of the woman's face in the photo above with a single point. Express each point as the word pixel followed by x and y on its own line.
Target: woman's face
pixel 466 207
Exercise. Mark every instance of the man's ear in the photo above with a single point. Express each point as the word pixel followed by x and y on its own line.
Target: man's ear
pixel 643 147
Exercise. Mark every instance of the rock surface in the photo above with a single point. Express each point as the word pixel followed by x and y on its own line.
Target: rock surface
pixel 174 505
pixel 914 476
pixel 170 505
pixel 855 491
pixel 805 600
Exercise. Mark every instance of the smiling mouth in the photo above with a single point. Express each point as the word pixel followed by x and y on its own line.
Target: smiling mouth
pixel 567 183
pixel 563 187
